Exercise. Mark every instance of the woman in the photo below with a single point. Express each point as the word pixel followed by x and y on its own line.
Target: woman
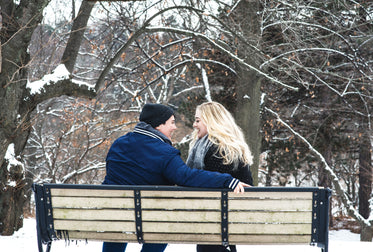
pixel 218 144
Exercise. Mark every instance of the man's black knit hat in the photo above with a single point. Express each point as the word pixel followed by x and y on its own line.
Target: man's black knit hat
pixel 155 114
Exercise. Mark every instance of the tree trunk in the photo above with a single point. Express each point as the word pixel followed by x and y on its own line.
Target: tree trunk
pixel 18 24
pixel 248 84
pixel 326 148
pixel 323 176
pixel 248 114
pixel 365 183
pixel 366 233
pixel 76 36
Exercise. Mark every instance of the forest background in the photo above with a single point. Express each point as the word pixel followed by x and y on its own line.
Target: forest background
pixel 297 75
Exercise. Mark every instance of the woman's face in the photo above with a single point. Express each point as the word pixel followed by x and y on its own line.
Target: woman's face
pixel 199 125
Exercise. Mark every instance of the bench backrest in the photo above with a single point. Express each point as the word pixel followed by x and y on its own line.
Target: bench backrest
pixel 170 214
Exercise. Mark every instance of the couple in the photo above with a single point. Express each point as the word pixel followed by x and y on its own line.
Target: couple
pixel 145 156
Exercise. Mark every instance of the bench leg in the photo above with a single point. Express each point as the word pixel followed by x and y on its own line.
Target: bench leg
pixel 49 246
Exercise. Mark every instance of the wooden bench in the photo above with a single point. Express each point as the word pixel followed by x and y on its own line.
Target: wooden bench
pixel 172 214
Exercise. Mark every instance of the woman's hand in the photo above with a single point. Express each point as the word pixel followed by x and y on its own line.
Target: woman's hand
pixel 240 188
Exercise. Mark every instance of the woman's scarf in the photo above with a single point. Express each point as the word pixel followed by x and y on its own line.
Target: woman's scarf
pixel 198 152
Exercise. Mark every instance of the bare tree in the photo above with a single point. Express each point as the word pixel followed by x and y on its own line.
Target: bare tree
pixel 70 141
pixel 325 48
pixel 19 21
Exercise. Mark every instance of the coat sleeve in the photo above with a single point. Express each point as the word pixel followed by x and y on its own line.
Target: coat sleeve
pixel 177 172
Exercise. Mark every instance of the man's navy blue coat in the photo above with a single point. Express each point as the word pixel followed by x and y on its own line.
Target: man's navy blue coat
pixel 146 157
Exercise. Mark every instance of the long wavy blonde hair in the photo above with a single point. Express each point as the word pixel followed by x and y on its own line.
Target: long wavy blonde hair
pixel 224 132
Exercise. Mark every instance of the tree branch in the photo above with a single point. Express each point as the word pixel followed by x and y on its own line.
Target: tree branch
pixel 221 48
pixel 335 180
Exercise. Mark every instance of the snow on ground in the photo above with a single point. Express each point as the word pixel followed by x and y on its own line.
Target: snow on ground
pixel 25 240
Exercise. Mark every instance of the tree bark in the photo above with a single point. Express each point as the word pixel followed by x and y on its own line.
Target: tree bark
pixel 365 184
pixel 248 114
pixel 366 233
pixel 76 36
pixel 18 24
pixel 326 147
pixel 247 111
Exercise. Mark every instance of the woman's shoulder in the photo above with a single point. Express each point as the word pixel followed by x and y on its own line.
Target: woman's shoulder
pixel 213 149
pixel 214 161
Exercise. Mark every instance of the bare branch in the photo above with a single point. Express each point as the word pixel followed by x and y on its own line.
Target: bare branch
pixel 335 180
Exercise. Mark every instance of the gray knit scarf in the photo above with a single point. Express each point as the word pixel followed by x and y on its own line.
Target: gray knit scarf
pixel 198 152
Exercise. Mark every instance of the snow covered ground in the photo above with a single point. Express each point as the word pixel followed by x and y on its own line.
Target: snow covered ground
pixel 25 240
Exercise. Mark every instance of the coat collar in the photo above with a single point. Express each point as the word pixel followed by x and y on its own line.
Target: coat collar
pixel 146 129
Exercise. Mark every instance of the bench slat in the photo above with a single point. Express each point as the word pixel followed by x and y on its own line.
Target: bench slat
pixel 268 204
pixel 269 228
pixel 192 238
pixel 172 204
pixel 233 239
pixel 269 239
pixel 184 238
pixel 93 203
pixel 120 237
pixel 181 216
pixel 93 214
pixel 99 226
pixel 91 193
pixel 256 204
pixel 179 194
pixel 125 215
pixel 270 217
pixel 169 227
pixel 103 236
pixel 271 195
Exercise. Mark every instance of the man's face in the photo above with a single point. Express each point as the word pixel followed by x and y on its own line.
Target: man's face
pixel 168 127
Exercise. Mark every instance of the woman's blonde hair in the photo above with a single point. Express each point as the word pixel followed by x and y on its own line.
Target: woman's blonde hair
pixel 224 132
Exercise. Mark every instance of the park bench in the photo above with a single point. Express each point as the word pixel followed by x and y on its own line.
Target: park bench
pixel 173 214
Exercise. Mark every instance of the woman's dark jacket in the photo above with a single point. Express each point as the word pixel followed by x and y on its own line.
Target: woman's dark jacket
pixel 214 162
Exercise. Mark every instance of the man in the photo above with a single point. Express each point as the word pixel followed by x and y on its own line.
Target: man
pixel 146 156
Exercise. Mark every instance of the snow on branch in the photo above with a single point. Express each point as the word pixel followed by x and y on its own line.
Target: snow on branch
pixel 58 74
pixel 74 173
pixel 10 156
pixel 205 82
pixel 187 90
pixel 14 165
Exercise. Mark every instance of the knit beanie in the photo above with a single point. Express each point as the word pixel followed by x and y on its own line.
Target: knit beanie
pixel 155 114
